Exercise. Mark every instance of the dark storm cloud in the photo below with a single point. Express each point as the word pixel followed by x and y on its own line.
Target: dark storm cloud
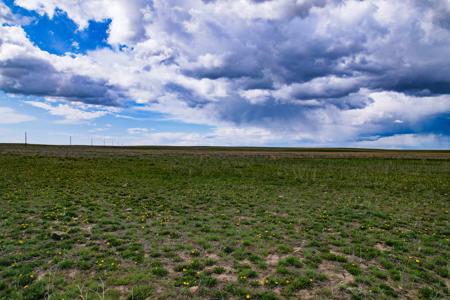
pixel 34 76
pixel 189 97
pixel 271 112
pixel 360 53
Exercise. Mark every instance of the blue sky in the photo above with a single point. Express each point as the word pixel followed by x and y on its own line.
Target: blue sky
pixel 59 34
pixel 327 73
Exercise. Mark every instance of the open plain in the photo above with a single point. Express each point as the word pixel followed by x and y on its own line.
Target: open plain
pixel 223 223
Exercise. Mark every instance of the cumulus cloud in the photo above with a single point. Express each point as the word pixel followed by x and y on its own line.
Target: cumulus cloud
pixel 126 16
pixel 324 70
pixel 24 69
pixel 34 76
pixel 6 16
pixel 392 107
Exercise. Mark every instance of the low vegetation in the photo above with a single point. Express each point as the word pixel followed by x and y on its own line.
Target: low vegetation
pixel 223 227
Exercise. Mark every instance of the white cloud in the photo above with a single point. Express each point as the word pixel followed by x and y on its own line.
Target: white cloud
pixel 69 113
pixel 10 116
pixel 321 87
pixel 137 131
pixel 268 10
pixel 395 107
pixel 223 136
pixel 6 15
pixel 256 96
pixel 126 16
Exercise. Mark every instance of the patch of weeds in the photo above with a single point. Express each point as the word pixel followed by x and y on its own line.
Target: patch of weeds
pixel 246 273
pixel 353 268
pixel 428 293
pixel 194 253
pixel 66 264
pixel 395 274
pixel 218 270
pixel 300 283
pixel 266 295
pixel 113 294
pixel 283 270
pixel 159 271
pixel 237 290
pixel 290 261
pixel 206 280
pixel 37 290
pixel 387 290
pixel 388 265
pixel 285 249
pixel 363 279
pixel 378 273
pixel 334 257
pixel 228 249
pixel 210 262
pixel 141 292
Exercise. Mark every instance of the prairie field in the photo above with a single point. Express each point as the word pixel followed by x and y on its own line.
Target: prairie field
pixel 223 223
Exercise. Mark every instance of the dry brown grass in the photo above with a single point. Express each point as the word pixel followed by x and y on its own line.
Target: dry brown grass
pixel 272 153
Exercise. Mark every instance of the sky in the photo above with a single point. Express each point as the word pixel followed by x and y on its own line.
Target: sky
pixel 295 73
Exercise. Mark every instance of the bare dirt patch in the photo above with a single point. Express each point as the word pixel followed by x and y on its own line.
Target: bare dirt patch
pixel 123 289
pixel 226 277
pixel 213 256
pixel 335 274
pixel 185 257
pixel 280 214
pixel 306 295
pixel 382 247
pixel 273 259
pixel 71 273
pixel 86 228
pixel 298 251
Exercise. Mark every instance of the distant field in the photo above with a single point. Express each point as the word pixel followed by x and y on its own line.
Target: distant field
pixel 145 151
pixel 223 223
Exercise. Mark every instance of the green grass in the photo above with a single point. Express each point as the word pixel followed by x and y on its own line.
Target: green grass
pixel 223 226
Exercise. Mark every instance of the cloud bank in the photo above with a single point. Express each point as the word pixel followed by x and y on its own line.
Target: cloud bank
pixel 311 71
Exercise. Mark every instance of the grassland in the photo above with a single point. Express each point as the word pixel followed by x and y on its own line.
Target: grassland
pixel 182 223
